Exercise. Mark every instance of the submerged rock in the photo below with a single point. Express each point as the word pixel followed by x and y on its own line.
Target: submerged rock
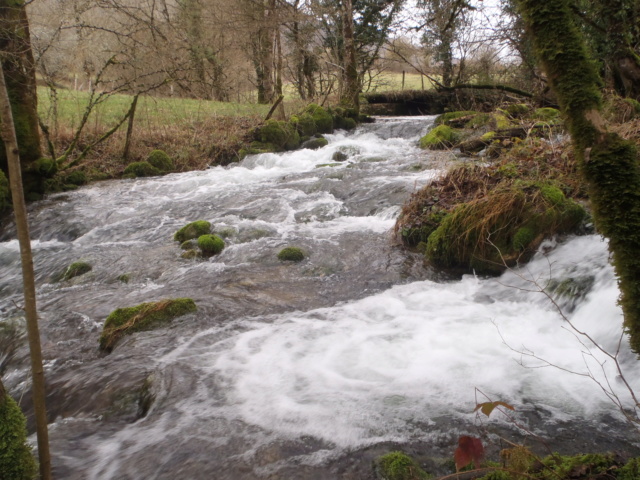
pixel 146 316
pixel 291 254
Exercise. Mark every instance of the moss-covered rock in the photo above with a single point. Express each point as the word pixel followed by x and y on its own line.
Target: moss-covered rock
pixel 291 254
pixel 160 160
pixel 315 143
pixel 304 124
pixel 190 254
pixel 124 278
pixel 210 245
pixel 321 118
pixel 282 135
pixel 439 137
pixel 75 270
pixel 45 167
pixel 192 230
pixel 141 169
pixel 146 316
pixel 399 466
pixel 5 193
pixel 16 460
pixel 76 177
pixel 546 114
pixel 517 110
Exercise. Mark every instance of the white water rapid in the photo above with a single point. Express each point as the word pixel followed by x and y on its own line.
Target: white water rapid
pixel 309 370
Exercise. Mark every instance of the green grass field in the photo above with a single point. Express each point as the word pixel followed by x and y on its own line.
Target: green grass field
pixel 150 112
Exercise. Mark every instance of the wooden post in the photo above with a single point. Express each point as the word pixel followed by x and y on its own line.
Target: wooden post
pixel 8 133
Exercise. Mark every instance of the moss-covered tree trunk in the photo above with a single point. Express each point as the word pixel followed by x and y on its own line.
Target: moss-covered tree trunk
pixel 19 68
pixel 608 163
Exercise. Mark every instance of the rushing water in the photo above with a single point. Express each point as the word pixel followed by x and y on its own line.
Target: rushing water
pixel 303 370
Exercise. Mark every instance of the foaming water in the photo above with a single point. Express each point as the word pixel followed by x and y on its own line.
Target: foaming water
pixel 294 370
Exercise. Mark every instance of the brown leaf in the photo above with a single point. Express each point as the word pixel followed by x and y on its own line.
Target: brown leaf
pixel 488 407
pixel 469 450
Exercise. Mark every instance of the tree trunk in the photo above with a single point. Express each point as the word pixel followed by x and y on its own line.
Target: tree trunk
pixel 19 68
pixel 8 134
pixel 608 163
pixel 351 80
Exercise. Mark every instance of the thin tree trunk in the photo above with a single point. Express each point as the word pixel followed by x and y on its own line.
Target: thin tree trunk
pixel 127 142
pixel 608 163
pixel 7 131
pixel 351 87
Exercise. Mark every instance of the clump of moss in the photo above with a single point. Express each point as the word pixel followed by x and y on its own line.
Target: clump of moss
pixel 439 137
pixel 160 160
pixel 631 470
pixel 16 460
pixel 517 110
pixel 321 118
pixel 192 230
pixel 141 169
pixel 146 316
pixel 75 270
pixel 304 124
pixel 5 193
pixel 399 466
pixel 291 254
pixel 546 114
pixel 45 167
pixel 124 278
pixel 282 135
pixel 445 117
pixel 210 245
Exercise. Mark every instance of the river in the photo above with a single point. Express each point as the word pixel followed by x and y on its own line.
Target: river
pixel 304 370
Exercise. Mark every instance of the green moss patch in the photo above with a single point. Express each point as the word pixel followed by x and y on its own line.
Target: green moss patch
pixel 75 270
pixel 160 160
pixel 141 169
pixel 16 460
pixel 439 137
pixel 146 316
pixel 485 218
pixel 291 254
pixel 322 119
pixel 445 117
pixel 399 466
pixel 192 230
pixel 210 245
pixel 282 135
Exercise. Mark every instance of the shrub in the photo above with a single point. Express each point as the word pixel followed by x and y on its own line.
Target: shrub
pixel 210 245
pixel 146 316
pixel 141 169
pixel 16 460
pixel 192 230
pixel 160 160
pixel 291 254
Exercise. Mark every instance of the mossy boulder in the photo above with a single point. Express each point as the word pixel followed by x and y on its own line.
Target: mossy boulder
pixel 315 143
pixel 5 193
pixel 517 110
pixel 76 177
pixel 146 316
pixel 16 459
pixel 210 245
pixel 439 137
pixel 141 169
pixel 256 148
pixel 291 254
pixel 498 230
pixel 282 135
pixel 398 466
pixel 192 230
pixel 160 160
pixel 304 124
pixel 321 118
pixel 75 270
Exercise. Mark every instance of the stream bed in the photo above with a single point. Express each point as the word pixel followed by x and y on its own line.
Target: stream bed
pixel 304 370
